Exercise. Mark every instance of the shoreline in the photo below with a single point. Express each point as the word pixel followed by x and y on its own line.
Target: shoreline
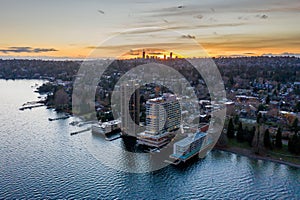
pixel 235 150
pixel 251 155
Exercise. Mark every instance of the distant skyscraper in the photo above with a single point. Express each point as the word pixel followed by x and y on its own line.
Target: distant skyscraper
pixel 132 105
pixel 144 54
pixel 171 55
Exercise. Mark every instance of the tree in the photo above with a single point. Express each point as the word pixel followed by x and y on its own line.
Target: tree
pixel 268 99
pixel 236 119
pixel 257 142
pixel 261 107
pixel 278 86
pixel 251 134
pixel 230 129
pixel 294 144
pixel 231 80
pixel 61 99
pixel 259 118
pixel 239 135
pixel 297 107
pixel 295 125
pixel 278 142
pixel 267 139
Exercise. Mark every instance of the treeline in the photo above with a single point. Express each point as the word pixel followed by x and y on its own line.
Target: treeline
pixel 235 130
pixel 280 69
pixel 38 69
pixel 252 136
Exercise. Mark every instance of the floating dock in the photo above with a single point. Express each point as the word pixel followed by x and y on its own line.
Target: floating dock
pixel 82 131
pixel 30 107
pixel 54 119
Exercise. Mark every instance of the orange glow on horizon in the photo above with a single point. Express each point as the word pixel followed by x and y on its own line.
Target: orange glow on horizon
pixel 83 52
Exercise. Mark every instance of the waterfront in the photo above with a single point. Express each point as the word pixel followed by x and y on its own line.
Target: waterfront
pixel 39 159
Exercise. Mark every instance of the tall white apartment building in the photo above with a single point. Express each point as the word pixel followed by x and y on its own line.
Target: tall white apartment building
pixel 163 116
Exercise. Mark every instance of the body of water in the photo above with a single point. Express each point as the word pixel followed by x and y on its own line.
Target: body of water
pixel 39 159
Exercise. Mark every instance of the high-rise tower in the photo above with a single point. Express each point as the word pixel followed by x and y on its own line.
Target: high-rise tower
pixel 163 116
pixel 130 107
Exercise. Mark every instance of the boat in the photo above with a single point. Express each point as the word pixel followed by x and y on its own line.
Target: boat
pixel 107 127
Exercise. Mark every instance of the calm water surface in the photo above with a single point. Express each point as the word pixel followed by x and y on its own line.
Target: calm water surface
pixel 39 159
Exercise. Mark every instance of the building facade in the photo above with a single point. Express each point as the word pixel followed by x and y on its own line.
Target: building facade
pixel 163 117
pixel 130 107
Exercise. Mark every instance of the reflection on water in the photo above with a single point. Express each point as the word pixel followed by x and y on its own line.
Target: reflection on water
pixel 39 159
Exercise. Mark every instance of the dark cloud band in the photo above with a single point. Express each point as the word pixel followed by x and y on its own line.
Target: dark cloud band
pixel 26 50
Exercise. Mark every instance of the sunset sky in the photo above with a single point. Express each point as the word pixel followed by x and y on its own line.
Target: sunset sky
pixel 74 28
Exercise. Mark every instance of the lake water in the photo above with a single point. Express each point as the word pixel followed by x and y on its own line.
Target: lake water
pixel 39 159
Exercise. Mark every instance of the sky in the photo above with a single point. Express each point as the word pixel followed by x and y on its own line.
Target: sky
pixel 116 28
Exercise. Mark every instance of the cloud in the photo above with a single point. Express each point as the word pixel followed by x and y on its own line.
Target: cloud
pixel 26 50
pixel 243 18
pixel 198 16
pixel 101 11
pixel 263 16
pixel 149 47
pixel 295 8
pixel 283 54
pixel 181 27
pixel 188 36
pixel 192 10
pixel 155 53
pixel 248 42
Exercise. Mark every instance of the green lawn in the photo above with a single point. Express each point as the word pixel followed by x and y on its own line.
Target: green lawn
pixel 234 143
pixel 284 151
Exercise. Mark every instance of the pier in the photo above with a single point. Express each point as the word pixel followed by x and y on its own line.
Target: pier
pixel 114 137
pixel 82 131
pixel 30 107
pixel 54 119
pixel 85 123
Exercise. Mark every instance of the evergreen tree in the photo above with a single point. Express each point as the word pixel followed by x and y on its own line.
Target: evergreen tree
pixel 268 99
pixel 236 119
pixel 267 139
pixel 295 125
pixel 239 134
pixel 259 118
pixel 230 129
pixel 278 86
pixel 297 107
pixel 231 80
pixel 294 144
pixel 278 142
pixel 251 134
pixel 261 107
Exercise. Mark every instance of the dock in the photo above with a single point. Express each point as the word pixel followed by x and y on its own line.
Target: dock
pixel 54 119
pixel 118 136
pixel 85 123
pixel 82 131
pixel 30 107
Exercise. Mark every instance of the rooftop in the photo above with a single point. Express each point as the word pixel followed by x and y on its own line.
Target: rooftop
pixel 188 140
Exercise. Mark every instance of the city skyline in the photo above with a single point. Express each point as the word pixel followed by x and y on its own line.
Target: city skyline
pixel 70 29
